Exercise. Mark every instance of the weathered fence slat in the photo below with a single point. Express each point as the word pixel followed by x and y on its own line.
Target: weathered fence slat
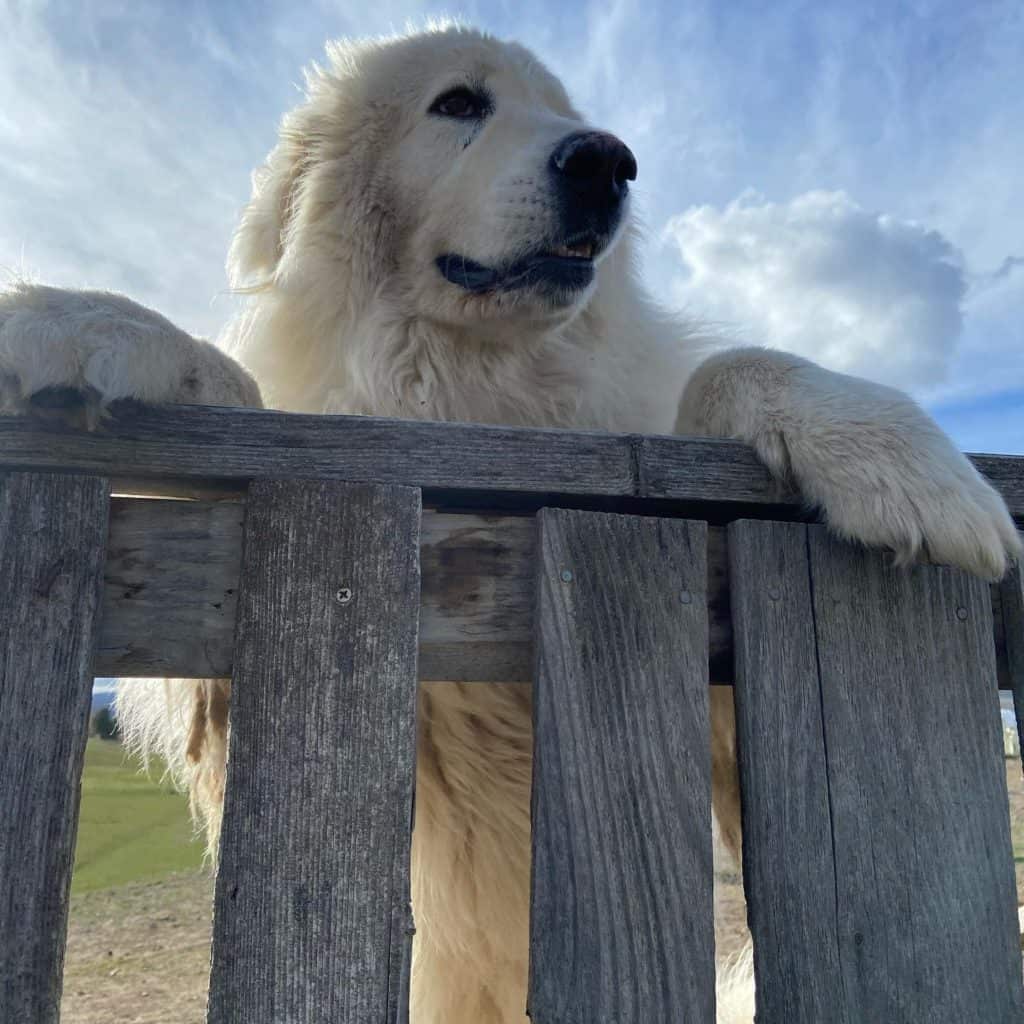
pixel 1012 609
pixel 622 917
pixel 876 842
pixel 312 917
pixel 788 863
pixel 53 534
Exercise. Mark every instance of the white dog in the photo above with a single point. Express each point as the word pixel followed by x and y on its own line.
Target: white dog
pixel 439 234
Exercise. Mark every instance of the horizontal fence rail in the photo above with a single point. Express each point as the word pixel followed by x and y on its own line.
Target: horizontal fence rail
pixel 451 462
pixel 171 587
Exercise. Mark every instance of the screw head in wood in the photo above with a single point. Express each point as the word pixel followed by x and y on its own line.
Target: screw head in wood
pixel 961 614
pixel 344 595
pixel 566 575
pixel 685 597
pixel 774 593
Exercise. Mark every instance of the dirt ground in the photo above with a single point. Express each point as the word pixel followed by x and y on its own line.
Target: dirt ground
pixel 140 953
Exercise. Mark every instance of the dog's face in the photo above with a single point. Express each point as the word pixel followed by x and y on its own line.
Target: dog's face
pixel 511 198
pixel 454 170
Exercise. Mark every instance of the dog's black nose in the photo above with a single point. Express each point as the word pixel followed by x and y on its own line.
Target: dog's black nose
pixel 596 164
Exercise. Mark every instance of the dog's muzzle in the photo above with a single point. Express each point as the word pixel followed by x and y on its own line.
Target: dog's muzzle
pixel 590 174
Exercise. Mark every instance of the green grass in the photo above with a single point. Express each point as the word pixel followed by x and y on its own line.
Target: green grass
pixel 131 826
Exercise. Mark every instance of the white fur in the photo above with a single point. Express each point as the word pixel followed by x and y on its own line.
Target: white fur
pixel 349 314
pixel 880 470
pixel 104 344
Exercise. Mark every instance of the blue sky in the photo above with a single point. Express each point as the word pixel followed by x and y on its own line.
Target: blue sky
pixel 840 179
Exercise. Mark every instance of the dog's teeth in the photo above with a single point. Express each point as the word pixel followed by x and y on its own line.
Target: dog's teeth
pixel 579 252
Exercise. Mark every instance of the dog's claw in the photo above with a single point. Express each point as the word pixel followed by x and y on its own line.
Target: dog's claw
pixel 82 408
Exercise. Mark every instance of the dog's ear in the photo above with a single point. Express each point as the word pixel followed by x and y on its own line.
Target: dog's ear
pixel 317 178
pixel 259 239
pixel 321 198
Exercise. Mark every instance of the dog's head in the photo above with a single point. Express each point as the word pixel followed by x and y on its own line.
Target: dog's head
pixel 447 171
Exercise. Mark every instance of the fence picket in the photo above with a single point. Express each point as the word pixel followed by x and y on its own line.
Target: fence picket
pixel 312 915
pixel 877 851
pixel 622 918
pixel 53 535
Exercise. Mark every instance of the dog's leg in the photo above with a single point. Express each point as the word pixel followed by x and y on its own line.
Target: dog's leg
pixel 725 780
pixel 876 465
pixel 471 854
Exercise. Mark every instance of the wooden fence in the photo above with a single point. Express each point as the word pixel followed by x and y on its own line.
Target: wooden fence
pixel 336 563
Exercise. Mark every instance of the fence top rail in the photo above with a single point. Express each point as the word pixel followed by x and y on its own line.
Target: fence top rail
pixel 202 449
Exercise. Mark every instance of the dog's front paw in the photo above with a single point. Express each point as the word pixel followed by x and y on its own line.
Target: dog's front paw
pixel 904 486
pixel 71 354
pixel 876 465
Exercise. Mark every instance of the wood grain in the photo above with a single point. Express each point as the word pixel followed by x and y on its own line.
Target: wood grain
pixel 53 534
pixel 622 917
pixel 312 919
pixel 788 864
pixel 1006 475
pixel 170 589
pixel 490 463
pixel 919 911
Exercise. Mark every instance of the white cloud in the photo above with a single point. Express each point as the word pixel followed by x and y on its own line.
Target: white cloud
pixel 857 291
pixel 990 359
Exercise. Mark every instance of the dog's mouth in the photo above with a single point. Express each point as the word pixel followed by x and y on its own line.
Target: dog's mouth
pixel 568 267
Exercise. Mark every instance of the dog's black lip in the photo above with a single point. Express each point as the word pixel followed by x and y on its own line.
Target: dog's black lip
pixel 467 273
pixel 542 267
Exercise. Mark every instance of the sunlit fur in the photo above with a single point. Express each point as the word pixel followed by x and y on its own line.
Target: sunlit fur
pixel 347 313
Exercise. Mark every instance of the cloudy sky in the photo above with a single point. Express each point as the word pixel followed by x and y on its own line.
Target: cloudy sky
pixel 839 179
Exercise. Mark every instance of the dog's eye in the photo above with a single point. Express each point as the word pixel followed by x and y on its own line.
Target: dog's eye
pixel 461 103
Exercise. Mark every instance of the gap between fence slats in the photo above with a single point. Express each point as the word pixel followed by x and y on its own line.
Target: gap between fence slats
pixel 1011 594
pixel 53 538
